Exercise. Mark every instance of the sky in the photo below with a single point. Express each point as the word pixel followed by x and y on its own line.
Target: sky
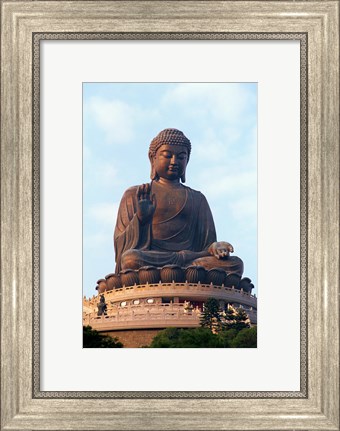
pixel 119 122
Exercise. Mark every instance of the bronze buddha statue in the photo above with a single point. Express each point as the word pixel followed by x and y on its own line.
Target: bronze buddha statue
pixel 165 222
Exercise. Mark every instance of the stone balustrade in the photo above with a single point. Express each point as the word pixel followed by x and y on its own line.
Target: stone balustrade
pixel 188 291
pixel 149 316
pixel 144 316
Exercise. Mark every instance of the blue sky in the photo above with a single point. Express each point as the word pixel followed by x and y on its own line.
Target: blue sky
pixel 119 122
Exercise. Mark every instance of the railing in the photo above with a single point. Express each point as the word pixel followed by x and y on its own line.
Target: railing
pixel 143 316
pixel 185 290
pixel 149 316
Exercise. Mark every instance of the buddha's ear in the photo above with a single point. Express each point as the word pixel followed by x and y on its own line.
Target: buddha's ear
pixel 183 179
pixel 153 174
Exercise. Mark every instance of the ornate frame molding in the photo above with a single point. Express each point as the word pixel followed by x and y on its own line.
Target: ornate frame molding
pixel 316 25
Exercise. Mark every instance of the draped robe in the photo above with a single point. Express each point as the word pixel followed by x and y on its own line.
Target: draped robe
pixel 191 229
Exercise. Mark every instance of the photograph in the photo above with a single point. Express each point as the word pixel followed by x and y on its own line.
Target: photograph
pixel 170 215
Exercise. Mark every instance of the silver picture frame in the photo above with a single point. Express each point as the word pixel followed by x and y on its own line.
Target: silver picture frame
pixel 316 25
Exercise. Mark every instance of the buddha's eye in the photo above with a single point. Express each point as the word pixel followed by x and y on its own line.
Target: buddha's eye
pixel 166 154
pixel 169 155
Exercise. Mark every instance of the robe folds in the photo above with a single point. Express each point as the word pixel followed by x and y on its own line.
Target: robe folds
pixel 191 229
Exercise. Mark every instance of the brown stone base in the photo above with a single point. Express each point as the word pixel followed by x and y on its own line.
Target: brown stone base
pixel 134 337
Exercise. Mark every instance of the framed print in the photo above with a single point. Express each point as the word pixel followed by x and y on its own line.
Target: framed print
pixel 48 51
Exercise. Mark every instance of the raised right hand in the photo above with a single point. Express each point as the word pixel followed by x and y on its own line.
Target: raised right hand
pixel 145 203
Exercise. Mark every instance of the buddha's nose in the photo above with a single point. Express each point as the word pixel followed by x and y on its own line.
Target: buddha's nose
pixel 173 160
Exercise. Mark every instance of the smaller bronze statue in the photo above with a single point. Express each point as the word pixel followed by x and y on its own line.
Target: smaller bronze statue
pixel 102 307
pixel 165 222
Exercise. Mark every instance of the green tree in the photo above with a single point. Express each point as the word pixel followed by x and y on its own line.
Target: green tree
pixel 92 339
pixel 204 338
pixel 198 337
pixel 245 338
pixel 211 315
pixel 226 337
pixel 166 338
pixel 236 319
pixel 183 338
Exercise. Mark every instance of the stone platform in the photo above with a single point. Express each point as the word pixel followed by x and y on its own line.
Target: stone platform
pixel 162 305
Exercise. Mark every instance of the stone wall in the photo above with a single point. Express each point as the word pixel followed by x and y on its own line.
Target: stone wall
pixel 134 337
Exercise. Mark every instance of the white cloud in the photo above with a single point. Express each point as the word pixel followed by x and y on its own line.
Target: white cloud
pixel 210 147
pixel 104 213
pixel 223 181
pixel 103 179
pixel 114 117
pixel 117 119
pixel 95 241
pixel 233 144
pixel 245 208
pixel 226 102
pixel 108 173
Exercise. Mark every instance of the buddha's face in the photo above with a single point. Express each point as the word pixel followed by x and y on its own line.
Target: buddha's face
pixel 170 161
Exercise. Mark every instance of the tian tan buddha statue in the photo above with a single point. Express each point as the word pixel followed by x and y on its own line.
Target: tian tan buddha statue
pixel 165 222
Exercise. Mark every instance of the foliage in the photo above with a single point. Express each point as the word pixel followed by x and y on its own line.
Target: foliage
pixel 204 338
pixel 246 338
pixel 236 319
pixel 221 329
pixel 165 338
pixel 182 338
pixel 226 337
pixel 216 320
pixel 211 315
pixel 92 339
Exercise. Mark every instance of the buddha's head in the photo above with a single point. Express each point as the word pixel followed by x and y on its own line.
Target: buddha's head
pixel 169 154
